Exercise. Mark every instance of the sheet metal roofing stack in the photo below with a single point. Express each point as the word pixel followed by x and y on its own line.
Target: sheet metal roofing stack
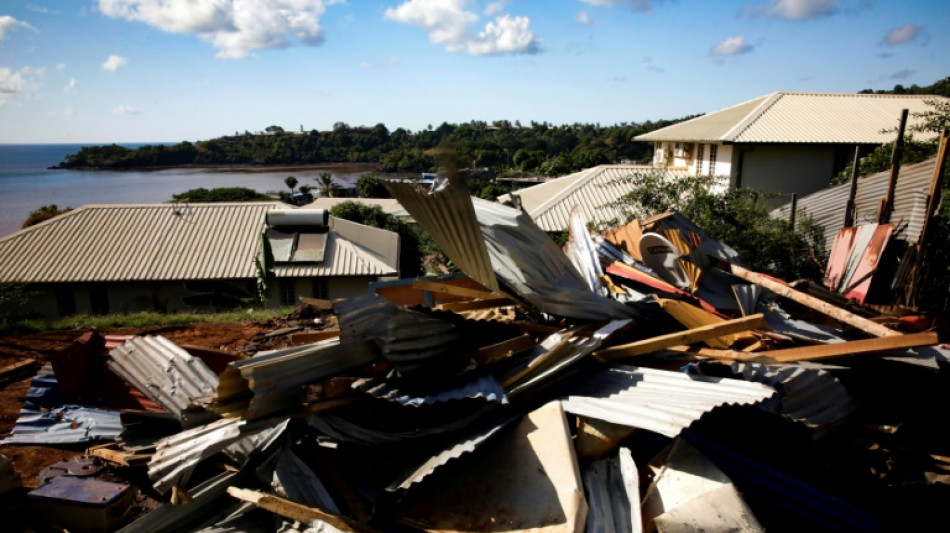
pixel 594 402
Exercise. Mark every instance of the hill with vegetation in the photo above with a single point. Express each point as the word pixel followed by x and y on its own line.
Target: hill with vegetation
pixel 537 148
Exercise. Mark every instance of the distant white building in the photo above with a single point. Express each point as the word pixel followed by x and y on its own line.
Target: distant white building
pixel 783 142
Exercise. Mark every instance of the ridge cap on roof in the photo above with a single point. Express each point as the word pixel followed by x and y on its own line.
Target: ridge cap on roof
pixel 767 103
pixel 585 176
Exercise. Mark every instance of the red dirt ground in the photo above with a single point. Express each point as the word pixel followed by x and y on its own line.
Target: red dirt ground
pixel 16 347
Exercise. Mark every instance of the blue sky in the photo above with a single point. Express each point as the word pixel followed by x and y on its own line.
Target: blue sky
pixel 96 71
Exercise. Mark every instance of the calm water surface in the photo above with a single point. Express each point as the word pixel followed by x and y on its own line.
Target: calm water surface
pixel 26 183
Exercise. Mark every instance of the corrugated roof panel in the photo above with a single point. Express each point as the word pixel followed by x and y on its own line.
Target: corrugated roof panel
pixel 827 206
pixel 658 400
pixel 792 117
pixel 592 191
pixel 161 242
pixel 165 373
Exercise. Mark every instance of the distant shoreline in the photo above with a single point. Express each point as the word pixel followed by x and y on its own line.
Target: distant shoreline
pixel 343 168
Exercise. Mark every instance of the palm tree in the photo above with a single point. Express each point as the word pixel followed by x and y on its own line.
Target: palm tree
pixel 327 186
pixel 291 182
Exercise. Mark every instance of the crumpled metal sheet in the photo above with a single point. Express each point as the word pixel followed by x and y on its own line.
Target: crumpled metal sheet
pixel 658 400
pixel 811 396
pixel 177 456
pixel 270 382
pixel 485 388
pixel 44 420
pixel 613 494
pixel 486 239
pixel 209 503
pixel 166 373
pixel 582 252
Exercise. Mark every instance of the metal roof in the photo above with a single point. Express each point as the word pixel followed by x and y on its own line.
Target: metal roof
pixel 152 242
pixel 270 382
pixel 658 400
pixel 827 206
pixel 591 190
pixel 165 373
pixel 794 117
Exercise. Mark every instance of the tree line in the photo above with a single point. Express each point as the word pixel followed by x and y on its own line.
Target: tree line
pixel 502 146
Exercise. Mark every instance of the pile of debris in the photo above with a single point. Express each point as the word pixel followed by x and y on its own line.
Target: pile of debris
pixel 638 380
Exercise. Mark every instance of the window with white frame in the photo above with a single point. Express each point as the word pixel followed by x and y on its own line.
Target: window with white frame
pixel 700 153
pixel 713 149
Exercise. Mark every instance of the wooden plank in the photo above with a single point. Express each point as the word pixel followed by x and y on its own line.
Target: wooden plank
pixel 865 346
pixel 681 337
pixel 293 510
pixel 475 305
pixel 445 288
pixel 811 302
pixel 503 350
pixel 309 337
pixel 16 369
pixel 721 355
pixel 691 316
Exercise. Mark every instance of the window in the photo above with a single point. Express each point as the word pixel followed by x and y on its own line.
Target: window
pixel 713 149
pixel 98 299
pixel 65 301
pixel 700 153
pixel 288 292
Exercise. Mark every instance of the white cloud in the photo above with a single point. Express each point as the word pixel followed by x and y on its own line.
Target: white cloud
pixel 70 86
pixel 364 65
pixel 494 7
pixel 584 19
pixel 793 9
pixel 448 22
pixel 732 46
pixel 61 66
pixel 234 27
pixel 65 112
pixel 636 5
pixel 114 63
pixel 125 110
pixel 8 24
pixel 905 34
pixel 17 83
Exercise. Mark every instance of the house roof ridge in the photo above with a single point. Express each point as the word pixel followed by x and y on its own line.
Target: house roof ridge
pixel 750 119
pixel 587 176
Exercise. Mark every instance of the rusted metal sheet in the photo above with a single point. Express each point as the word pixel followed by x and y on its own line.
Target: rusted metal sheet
pixel 868 263
pixel 838 260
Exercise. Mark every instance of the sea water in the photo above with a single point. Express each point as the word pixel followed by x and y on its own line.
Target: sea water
pixel 27 182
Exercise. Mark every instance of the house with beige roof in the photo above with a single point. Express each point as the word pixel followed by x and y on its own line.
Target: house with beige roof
pixel 172 257
pixel 594 191
pixel 784 142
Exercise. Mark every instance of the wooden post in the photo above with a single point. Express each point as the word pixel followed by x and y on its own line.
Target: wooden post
pixel 849 209
pixel 791 216
pixel 885 214
pixel 934 199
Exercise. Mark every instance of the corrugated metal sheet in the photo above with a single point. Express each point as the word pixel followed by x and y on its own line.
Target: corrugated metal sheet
pixel 658 400
pixel 591 191
pixel 826 207
pixel 270 382
pixel 164 372
pixel 532 265
pixel 448 215
pixel 791 117
pixel 613 494
pixel 811 396
pixel 209 503
pixel 485 387
pixel 45 420
pixel 152 242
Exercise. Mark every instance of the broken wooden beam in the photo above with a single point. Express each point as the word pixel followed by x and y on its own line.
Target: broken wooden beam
pixel 690 336
pixel 811 302
pixel 722 355
pixel 475 305
pixel 310 337
pixel 503 350
pixel 293 510
pixel 445 288
pixel 864 346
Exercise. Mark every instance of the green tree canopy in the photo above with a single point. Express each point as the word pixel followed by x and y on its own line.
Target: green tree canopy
pixel 43 213
pixel 222 194
pixel 371 186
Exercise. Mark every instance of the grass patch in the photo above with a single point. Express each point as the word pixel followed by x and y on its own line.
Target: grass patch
pixel 142 319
